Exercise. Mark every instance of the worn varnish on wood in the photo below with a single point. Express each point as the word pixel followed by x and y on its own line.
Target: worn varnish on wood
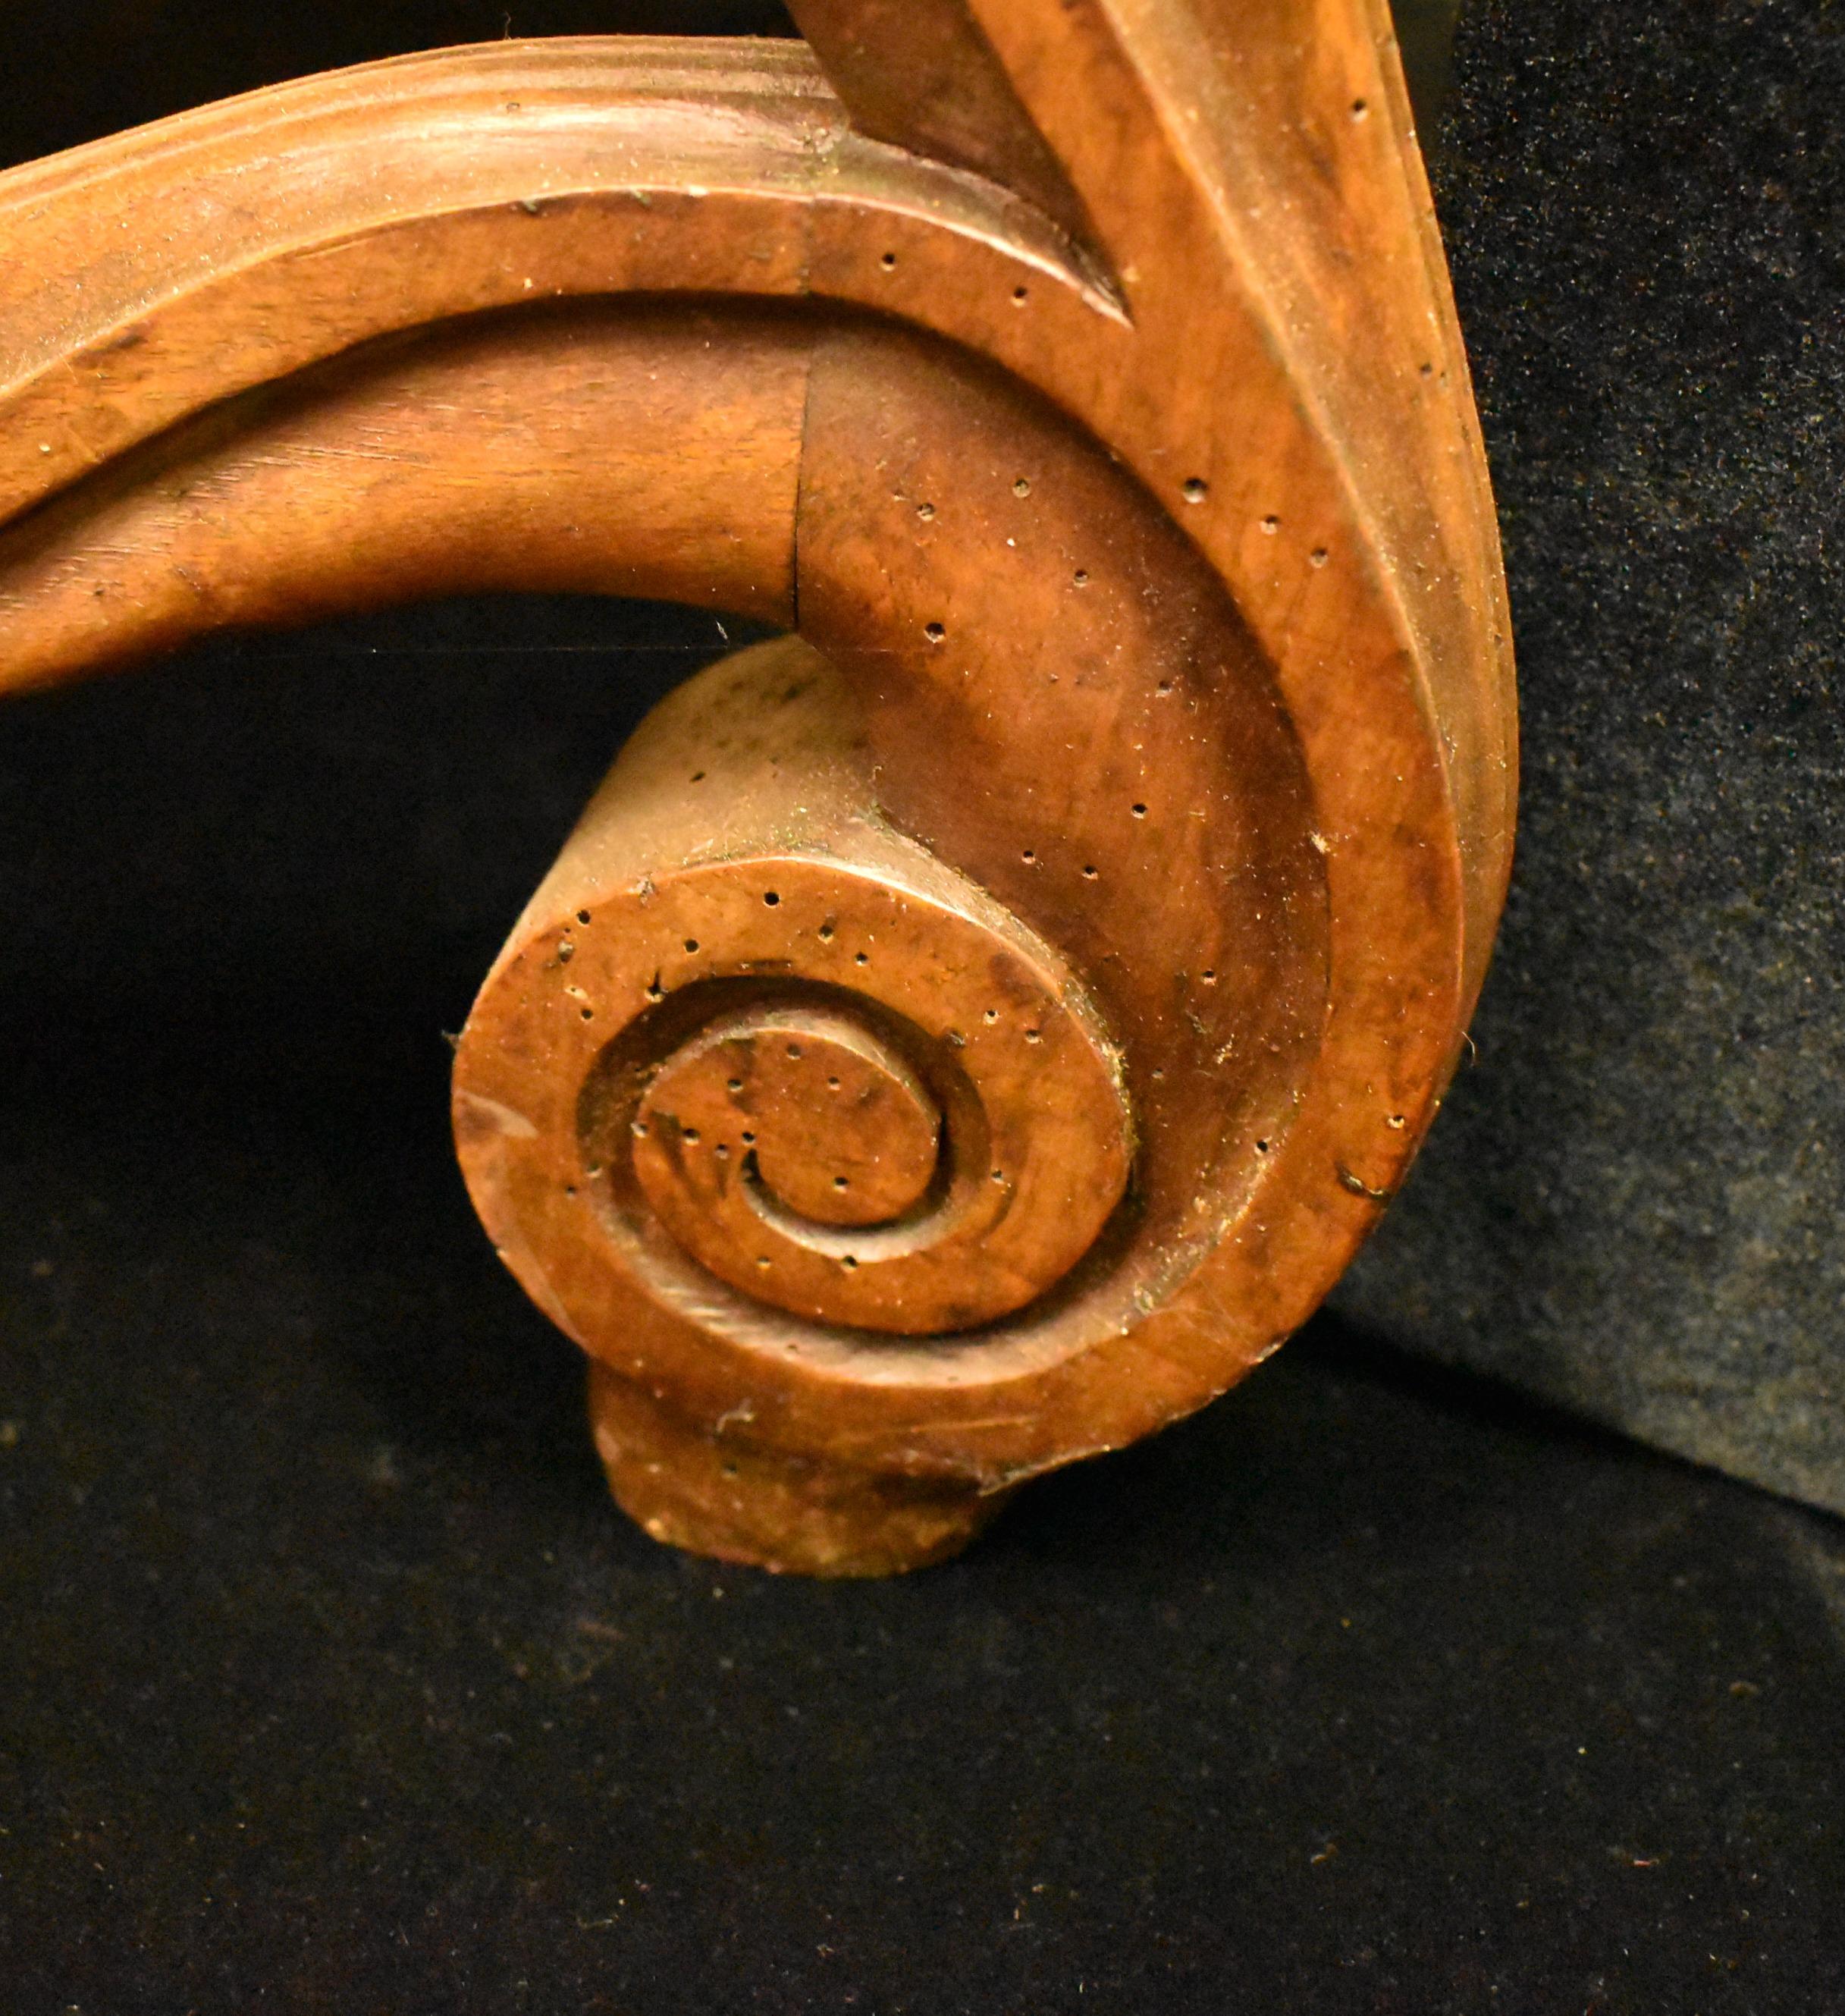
pixel 976 1028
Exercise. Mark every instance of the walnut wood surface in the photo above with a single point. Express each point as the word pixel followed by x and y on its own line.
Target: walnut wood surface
pixel 1082 911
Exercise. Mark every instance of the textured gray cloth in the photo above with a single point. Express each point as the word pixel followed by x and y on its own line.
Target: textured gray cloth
pixel 1632 1203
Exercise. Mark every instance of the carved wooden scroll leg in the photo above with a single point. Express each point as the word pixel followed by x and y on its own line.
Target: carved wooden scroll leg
pixel 974 1029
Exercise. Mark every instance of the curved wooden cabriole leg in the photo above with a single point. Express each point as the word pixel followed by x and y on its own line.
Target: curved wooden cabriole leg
pixel 969 1033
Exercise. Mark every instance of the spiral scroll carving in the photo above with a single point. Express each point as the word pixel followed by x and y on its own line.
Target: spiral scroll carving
pixel 823 1069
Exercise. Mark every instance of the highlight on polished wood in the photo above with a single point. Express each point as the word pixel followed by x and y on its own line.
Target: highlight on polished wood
pixel 975 1028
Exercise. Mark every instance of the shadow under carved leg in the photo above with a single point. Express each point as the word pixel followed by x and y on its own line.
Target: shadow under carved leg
pixel 974 1029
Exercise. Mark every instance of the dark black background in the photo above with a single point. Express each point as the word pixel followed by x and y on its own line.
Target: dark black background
pixel 328 1677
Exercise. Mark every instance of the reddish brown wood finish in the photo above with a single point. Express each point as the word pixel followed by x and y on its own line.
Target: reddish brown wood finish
pixel 966 1034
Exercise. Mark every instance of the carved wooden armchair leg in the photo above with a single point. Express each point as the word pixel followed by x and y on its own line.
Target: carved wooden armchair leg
pixel 976 1028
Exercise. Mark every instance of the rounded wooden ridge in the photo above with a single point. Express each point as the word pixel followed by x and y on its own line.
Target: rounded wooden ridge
pixel 976 1027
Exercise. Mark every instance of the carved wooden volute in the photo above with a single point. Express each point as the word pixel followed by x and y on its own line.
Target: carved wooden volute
pixel 977 1027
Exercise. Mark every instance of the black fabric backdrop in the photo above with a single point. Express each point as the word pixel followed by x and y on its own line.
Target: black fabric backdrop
pixel 328 1677
pixel 1633 1205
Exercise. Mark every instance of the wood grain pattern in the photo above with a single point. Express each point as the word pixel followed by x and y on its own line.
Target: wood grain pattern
pixel 1066 937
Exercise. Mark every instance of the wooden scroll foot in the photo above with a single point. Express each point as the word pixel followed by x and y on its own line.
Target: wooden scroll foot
pixel 759 1084
pixel 976 1028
